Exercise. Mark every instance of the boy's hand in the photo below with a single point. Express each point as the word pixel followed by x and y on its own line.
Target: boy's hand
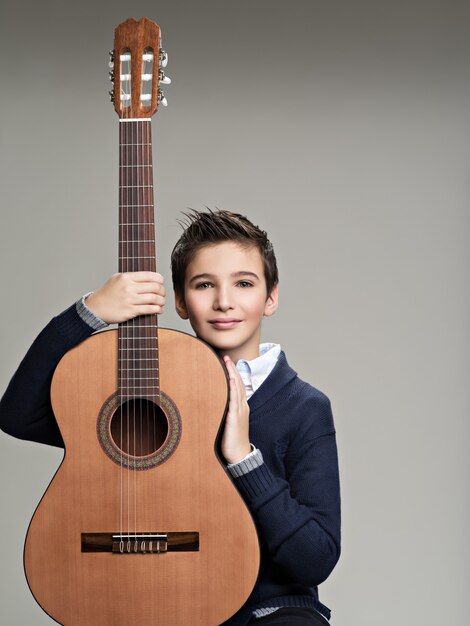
pixel 125 296
pixel 235 440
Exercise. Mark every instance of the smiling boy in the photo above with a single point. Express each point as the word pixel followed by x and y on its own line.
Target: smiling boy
pixel 279 437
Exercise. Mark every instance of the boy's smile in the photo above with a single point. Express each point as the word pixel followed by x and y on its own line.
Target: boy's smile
pixel 225 298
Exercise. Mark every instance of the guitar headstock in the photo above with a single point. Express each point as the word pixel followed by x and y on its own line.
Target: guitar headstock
pixel 137 63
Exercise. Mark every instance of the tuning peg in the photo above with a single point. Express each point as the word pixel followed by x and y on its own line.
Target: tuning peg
pixel 161 98
pixel 162 58
pixel 111 75
pixel 111 64
pixel 111 95
pixel 164 80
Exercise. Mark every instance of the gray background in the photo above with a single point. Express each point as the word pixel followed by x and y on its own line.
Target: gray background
pixel 343 129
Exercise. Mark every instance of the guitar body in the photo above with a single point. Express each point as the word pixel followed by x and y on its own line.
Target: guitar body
pixel 100 491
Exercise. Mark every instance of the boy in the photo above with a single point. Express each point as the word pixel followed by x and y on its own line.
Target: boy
pixel 279 437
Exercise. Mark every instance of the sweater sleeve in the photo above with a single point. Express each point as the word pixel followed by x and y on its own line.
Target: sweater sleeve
pixel 300 517
pixel 25 408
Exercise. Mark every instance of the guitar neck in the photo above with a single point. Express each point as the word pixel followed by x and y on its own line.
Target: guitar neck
pixel 138 338
pixel 136 208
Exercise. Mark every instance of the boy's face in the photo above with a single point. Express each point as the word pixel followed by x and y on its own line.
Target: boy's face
pixel 225 298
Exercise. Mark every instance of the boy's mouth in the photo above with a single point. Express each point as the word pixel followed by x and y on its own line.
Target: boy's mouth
pixel 224 323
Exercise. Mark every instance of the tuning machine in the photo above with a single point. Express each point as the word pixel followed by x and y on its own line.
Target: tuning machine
pixel 164 80
pixel 161 98
pixel 162 58
pixel 111 59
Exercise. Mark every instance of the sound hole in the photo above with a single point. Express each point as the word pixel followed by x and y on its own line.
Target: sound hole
pixel 139 427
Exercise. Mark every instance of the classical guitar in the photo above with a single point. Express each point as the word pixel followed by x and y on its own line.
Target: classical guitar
pixel 141 525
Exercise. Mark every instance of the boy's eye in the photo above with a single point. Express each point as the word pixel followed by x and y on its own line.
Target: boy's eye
pixel 202 285
pixel 245 283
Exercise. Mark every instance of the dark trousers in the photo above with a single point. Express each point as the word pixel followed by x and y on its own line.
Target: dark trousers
pixel 290 617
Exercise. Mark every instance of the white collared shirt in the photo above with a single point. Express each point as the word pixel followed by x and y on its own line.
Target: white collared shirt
pixel 254 372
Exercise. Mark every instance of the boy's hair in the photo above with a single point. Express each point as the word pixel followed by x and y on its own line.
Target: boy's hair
pixel 212 227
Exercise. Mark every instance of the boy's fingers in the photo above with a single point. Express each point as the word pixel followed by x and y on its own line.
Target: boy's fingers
pixel 150 298
pixel 238 383
pixel 144 276
pixel 149 309
pixel 146 287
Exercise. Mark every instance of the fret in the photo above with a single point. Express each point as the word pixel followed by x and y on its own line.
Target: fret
pixel 143 369
pixel 131 382
pixel 152 395
pixel 137 186
pixel 136 206
pixel 138 338
pixel 137 223
pixel 146 338
pixel 149 359
pixel 137 326
pixel 137 323
pixel 144 378
pixel 136 387
pixel 122 258
pixel 149 340
pixel 141 162
pixel 128 241
pixel 150 165
pixel 154 349
pixel 131 145
pixel 137 199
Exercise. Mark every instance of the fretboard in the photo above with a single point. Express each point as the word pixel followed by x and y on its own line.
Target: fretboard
pixel 138 338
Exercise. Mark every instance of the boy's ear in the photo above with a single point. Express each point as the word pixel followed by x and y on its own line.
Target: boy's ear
pixel 180 306
pixel 272 302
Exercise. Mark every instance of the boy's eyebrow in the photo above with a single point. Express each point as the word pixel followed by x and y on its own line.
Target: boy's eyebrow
pixel 242 273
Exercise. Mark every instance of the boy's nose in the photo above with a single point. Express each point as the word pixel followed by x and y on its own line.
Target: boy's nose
pixel 222 301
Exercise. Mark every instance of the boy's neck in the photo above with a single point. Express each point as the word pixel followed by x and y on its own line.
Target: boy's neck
pixel 246 353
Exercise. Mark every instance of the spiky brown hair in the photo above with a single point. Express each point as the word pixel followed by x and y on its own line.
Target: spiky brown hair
pixel 202 228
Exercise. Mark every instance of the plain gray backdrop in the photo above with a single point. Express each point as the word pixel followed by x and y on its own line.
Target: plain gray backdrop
pixel 340 127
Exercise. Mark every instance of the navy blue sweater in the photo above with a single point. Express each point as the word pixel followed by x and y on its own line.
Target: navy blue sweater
pixel 294 494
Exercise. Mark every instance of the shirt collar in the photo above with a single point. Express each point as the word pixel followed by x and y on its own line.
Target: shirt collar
pixel 260 366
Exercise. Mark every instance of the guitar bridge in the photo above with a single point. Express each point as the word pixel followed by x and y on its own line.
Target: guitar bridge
pixel 141 543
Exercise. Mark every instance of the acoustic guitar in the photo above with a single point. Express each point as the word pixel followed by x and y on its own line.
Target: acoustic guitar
pixel 141 525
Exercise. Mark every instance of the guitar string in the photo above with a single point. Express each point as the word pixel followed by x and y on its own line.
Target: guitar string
pixel 134 192
pixel 127 352
pixel 147 246
pixel 154 325
pixel 117 64
pixel 140 320
pixel 121 325
pixel 145 319
pixel 125 193
pixel 125 264
pixel 136 321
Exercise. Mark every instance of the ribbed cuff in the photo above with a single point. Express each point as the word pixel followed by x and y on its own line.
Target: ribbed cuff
pixel 88 316
pixel 257 481
pixel 72 327
pixel 305 602
pixel 250 462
